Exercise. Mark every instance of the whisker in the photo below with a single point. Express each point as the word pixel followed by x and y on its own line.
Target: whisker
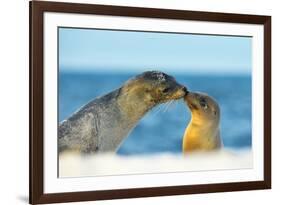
pixel 177 103
pixel 167 106
pixel 182 107
pixel 157 110
pixel 171 105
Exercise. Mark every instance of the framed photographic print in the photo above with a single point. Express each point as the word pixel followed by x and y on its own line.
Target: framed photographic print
pixel 135 102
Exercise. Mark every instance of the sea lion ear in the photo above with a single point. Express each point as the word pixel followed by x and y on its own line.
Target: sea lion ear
pixel 215 112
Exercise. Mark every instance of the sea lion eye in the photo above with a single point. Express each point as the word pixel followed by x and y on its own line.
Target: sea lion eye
pixel 166 90
pixel 203 103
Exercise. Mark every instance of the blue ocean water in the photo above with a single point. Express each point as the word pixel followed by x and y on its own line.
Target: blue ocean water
pixel 161 130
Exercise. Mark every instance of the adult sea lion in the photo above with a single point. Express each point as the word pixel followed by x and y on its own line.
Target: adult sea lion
pixel 203 131
pixel 102 124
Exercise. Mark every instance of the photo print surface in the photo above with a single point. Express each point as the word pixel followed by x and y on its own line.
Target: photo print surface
pixel 136 102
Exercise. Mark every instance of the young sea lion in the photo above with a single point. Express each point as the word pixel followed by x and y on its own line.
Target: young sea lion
pixel 202 132
pixel 102 124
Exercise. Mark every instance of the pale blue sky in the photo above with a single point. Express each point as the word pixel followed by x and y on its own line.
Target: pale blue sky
pixel 107 50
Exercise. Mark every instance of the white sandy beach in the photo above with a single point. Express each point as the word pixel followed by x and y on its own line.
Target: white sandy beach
pixel 75 165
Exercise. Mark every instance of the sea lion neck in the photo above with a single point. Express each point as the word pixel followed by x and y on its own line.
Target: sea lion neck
pixel 198 119
pixel 202 126
pixel 133 106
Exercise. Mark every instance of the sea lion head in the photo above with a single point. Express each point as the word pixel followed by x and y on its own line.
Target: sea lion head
pixel 155 87
pixel 203 107
pixel 146 90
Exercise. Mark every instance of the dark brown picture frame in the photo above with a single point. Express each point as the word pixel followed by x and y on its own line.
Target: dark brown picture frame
pixel 37 9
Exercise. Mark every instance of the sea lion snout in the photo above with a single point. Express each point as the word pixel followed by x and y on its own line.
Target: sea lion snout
pixel 188 96
pixel 185 90
pixel 179 91
pixel 190 101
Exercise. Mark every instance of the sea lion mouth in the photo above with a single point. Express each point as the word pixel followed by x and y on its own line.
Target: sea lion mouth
pixel 189 99
pixel 193 106
pixel 175 96
pixel 180 93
